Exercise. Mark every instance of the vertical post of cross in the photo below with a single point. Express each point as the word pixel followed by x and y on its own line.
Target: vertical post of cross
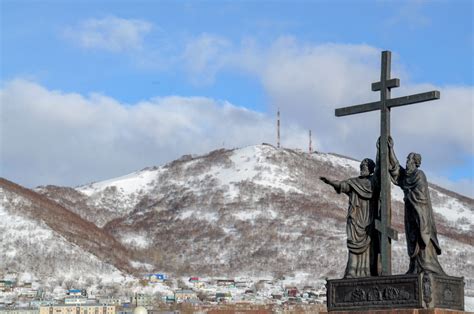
pixel 385 195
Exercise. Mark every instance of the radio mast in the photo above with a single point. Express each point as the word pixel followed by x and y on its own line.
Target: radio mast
pixel 278 128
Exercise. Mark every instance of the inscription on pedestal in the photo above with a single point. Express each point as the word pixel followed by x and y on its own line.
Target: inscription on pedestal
pixel 374 292
pixel 401 291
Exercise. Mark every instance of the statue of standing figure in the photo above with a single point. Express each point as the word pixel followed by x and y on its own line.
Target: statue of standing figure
pixel 362 240
pixel 420 229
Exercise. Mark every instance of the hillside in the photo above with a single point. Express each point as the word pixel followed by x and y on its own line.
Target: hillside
pixel 50 242
pixel 253 211
pixel 260 209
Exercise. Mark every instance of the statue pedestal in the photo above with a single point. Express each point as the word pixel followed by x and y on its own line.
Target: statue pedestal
pixel 407 292
pixel 403 311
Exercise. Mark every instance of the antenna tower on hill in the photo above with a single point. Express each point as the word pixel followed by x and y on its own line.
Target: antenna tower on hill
pixel 310 143
pixel 278 128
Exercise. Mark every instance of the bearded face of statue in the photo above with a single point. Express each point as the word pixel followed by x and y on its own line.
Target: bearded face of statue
pixel 411 164
pixel 364 169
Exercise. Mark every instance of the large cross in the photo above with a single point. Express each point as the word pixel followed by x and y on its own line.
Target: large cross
pixel 384 105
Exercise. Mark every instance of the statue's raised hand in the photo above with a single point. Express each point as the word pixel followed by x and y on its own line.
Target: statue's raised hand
pixel 324 179
pixel 390 141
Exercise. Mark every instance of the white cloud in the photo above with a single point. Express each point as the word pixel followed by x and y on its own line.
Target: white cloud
pixel 309 81
pixel 305 80
pixel 51 137
pixel 205 56
pixel 110 33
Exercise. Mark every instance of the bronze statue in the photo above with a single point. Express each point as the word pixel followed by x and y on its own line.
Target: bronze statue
pixel 426 286
pixel 360 217
pixel 420 229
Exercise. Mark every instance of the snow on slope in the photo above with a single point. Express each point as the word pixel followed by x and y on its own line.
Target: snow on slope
pixel 250 164
pixel 128 184
pixel 135 240
pixel 337 161
pixel 259 164
pixel 459 214
pixel 30 246
pixel 120 195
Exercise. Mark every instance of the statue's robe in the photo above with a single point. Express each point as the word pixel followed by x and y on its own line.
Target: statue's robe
pixel 420 229
pixel 359 227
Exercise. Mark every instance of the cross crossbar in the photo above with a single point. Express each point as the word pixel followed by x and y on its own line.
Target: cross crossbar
pixel 394 102
pixel 413 99
pixel 390 84
pixel 371 106
pixel 392 233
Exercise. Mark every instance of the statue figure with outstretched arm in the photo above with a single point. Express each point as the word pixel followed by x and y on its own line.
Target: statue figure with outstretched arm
pixel 363 204
pixel 420 229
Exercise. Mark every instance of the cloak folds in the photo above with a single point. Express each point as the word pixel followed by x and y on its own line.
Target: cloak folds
pixel 420 229
pixel 359 221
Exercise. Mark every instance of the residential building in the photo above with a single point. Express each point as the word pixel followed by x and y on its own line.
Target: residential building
pixel 142 299
pixel 81 309
pixel 291 292
pixel 38 303
pixel 77 292
pixel 198 284
pixel 242 284
pixel 185 295
pixel 193 279
pixel 223 296
pixel 19 311
pixel 110 301
pixel 28 293
pixel 170 299
pixel 6 285
pixel 226 282
pixel 80 301
pixel 156 277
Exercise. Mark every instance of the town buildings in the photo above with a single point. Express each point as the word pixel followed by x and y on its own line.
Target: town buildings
pixel 73 309
pixel 154 292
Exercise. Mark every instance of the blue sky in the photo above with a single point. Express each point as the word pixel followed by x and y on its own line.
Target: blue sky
pixel 134 66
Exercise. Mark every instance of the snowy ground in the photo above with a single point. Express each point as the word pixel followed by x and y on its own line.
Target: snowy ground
pixel 469 304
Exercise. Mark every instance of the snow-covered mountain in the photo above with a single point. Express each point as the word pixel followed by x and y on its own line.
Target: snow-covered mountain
pixel 258 211
pixel 51 243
